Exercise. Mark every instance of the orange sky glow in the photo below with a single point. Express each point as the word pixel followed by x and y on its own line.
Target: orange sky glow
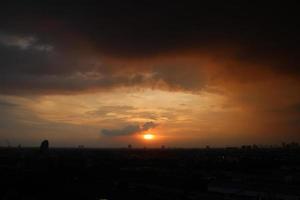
pixel 81 76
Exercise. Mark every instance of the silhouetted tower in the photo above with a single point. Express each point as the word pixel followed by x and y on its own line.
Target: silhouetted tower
pixel 44 148
pixel 129 146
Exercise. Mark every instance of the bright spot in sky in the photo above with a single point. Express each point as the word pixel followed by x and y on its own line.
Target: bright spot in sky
pixel 148 136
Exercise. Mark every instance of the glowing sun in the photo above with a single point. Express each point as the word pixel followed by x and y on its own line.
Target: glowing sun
pixel 148 136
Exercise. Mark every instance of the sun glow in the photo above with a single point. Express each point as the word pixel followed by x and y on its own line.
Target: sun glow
pixel 148 136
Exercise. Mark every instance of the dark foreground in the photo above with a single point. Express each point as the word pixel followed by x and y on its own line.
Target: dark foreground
pixel 248 173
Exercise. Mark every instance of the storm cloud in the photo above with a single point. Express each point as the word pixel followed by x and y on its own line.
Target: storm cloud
pixel 82 47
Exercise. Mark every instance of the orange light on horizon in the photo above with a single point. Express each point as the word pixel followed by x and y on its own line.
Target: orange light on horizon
pixel 148 136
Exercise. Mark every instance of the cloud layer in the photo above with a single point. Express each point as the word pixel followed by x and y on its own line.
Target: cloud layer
pixel 103 45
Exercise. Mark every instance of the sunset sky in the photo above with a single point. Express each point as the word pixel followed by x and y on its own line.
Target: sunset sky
pixel 104 73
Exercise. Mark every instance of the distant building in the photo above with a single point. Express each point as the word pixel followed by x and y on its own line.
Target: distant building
pixel 44 148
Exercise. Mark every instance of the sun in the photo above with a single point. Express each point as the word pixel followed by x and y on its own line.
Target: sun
pixel 148 136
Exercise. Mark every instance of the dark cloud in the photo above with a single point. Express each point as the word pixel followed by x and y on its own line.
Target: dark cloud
pixel 44 45
pixel 74 83
pixel 148 125
pixel 148 27
pixel 23 42
pixel 290 109
pixel 5 103
pixel 128 130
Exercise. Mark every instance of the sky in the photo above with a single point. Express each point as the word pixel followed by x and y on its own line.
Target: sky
pixel 103 73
